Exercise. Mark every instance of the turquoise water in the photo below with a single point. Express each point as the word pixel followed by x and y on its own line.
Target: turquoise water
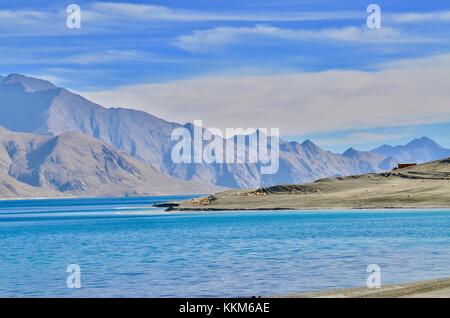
pixel 125 247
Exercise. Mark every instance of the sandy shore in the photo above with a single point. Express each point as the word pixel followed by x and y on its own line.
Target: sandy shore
pixel 423 186
pixel 426 289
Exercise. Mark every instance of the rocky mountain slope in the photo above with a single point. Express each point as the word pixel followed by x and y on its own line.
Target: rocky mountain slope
pixel 75 164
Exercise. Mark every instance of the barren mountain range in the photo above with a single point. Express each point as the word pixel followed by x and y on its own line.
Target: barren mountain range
pixel 74 164
pixel 52 119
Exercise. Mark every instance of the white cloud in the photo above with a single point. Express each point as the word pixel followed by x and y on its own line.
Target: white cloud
pixel 106 17
pixel 19 57
pixel 218 37
pixel 107 56
pixel 414 92
pixel 148 12
pixel 24 16
pixel 414 17
pixel 18 22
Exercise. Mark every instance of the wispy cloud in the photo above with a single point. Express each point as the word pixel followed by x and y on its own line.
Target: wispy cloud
pixel 110 17
pixel 22 16
pixel 147 12
pixel 136 42
pixel 421 17
pixel 218 37
pixel 109 56
pixel 100 17
pixel 24 22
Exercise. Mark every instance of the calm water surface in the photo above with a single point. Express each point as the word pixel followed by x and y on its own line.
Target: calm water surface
pixel 127 248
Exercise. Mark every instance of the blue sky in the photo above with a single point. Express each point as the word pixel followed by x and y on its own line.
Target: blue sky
pixel 132 47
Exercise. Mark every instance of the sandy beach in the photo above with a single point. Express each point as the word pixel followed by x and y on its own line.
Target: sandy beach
pixel 426 289
pixel 423 186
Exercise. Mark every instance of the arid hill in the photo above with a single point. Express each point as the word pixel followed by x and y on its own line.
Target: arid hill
pixel 422 186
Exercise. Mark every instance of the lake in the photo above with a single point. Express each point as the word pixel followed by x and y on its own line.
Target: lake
pixel 126 248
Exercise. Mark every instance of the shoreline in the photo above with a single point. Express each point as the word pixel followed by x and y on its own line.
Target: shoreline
pixel 306 209
pixel 425 186
pixel 438 288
